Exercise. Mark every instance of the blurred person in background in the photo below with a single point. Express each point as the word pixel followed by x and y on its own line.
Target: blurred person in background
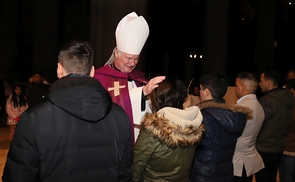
pixel 16 104
pixel 289 75
pixel 287 161
pixel 36 90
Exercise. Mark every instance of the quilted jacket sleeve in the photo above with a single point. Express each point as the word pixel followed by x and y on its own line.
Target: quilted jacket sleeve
pixel 125 167
pixel 142 153
pixel 22 159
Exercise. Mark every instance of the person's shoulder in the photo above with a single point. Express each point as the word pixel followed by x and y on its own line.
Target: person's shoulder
pixel 117 116
pixel 102 69
pixel 43 107
pixel 280 94
pixel 29 87
pixel 117 108
pixel 107 71
pixel 118 111
pixel 43 85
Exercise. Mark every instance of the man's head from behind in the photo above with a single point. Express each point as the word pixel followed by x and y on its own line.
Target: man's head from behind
pixel 290 74
pixel 246 83
pixel 75 58
pixel 213 86
pixel 36 77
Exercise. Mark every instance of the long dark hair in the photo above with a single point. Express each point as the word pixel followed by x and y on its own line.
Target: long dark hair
pixel 18 100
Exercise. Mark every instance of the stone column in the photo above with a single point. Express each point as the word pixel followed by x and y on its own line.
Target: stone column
pixel 46 40
pixel 8 37
pixel 264 48
pixel 215 36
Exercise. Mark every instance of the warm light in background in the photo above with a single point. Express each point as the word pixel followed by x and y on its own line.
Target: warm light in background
pixel 195 56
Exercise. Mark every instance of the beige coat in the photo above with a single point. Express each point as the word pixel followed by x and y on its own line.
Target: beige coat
pixel 246 153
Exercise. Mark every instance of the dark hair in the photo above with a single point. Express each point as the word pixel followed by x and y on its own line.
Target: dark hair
pixel 37 73
pixel 290 83
pixel 76 57
pixel 216 83
pixel 246 75
pixel 170 93
pixel 290 71
pixel 285 79
pixel 20 100
pixel 273 75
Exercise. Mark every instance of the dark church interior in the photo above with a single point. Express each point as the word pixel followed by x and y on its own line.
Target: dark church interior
pixel 187 37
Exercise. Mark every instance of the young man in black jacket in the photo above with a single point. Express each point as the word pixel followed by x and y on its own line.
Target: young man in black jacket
pixel 223 124
pixel 78 134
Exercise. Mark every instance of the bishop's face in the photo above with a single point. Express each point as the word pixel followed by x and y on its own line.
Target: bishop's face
pixel 125 62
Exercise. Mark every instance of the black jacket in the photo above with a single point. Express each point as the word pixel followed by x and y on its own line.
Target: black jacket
pixel 35 93
pixel 77 135
pixel 213 158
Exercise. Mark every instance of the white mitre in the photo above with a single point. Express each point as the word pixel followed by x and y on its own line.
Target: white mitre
pixel 131 35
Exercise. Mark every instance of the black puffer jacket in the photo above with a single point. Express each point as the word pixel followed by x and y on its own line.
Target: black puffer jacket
pixel 77 135
pixel 213 158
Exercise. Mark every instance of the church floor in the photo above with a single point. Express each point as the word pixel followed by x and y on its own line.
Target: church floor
pixel 4 146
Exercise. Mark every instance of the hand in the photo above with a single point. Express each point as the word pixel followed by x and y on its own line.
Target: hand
pixel 152 84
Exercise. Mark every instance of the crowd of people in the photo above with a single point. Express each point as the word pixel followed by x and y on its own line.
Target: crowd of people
pixel 113 124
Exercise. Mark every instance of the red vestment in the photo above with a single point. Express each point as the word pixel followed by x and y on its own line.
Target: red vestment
pixel 116 83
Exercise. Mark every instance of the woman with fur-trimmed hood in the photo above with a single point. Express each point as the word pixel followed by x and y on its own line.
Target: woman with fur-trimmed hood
pixel 168 137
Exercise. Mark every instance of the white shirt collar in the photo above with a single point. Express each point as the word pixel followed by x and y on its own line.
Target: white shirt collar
pixel 240 99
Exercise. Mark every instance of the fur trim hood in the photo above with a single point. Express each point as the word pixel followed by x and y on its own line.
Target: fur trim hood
pixel 175 127
pixel 234 107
